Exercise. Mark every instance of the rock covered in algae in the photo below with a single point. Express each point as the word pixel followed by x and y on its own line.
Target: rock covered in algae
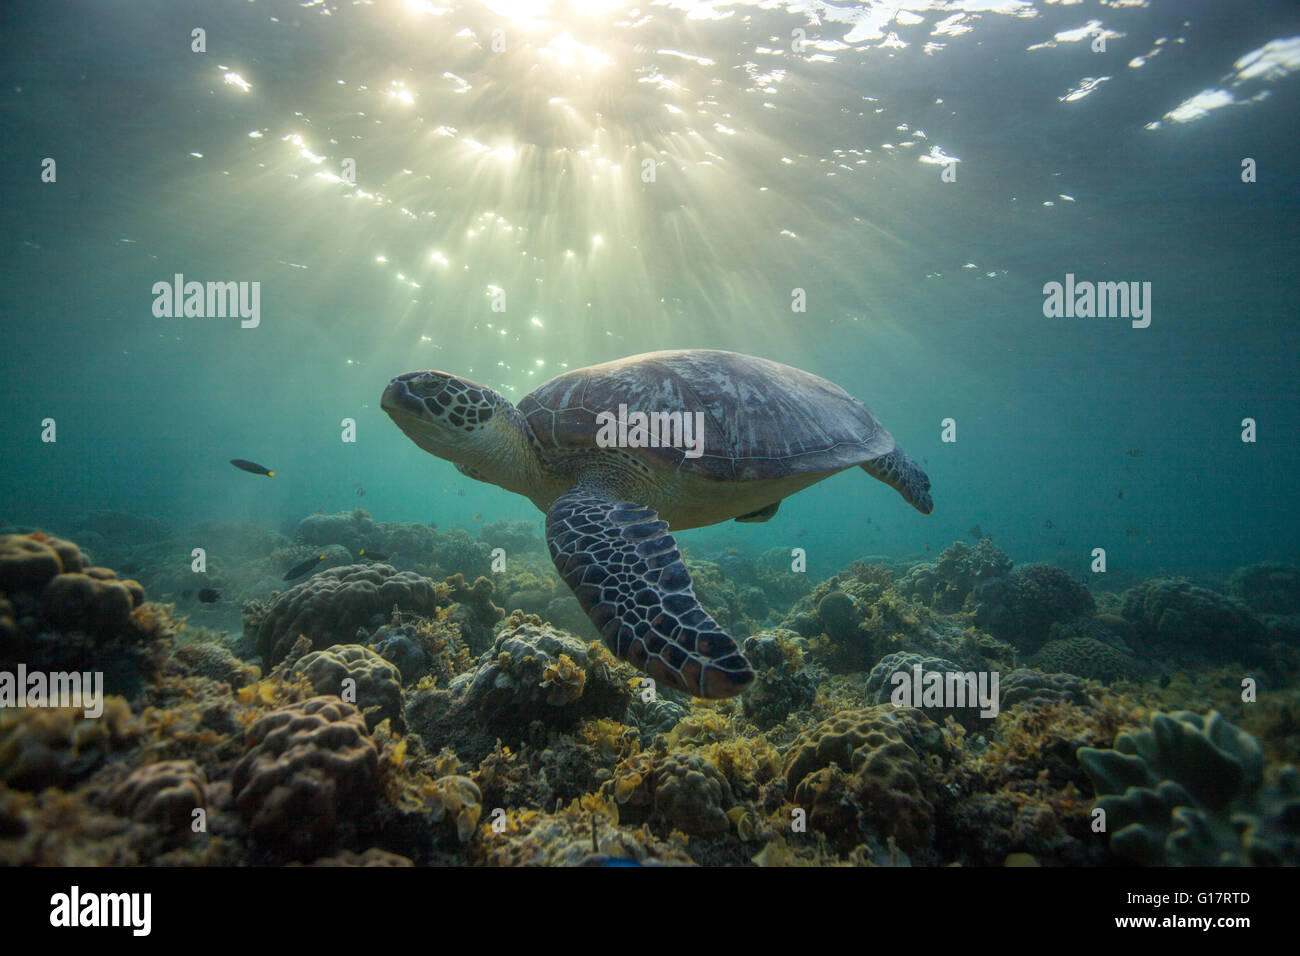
pixel 328 607
pixel 535 672
pixel 376 685
pixel 959 570
pixel 309 766
pixel 783 683
pixel 58 746
pixel 1191 790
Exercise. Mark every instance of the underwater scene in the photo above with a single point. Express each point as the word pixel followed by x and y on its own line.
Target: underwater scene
pixel 645 433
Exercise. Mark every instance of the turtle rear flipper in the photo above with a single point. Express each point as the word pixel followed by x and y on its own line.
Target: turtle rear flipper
pixel 629 577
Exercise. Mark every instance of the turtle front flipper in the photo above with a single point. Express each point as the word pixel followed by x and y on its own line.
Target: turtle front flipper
pixel 625 569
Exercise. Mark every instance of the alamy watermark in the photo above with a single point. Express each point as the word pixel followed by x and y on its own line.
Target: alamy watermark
pixel 1102 300
pixel 945 690
pixel 626 429
pixel 210 300
pixel 80 689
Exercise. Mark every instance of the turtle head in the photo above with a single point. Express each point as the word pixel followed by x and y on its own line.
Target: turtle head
pixel 466 423
pixel 444 414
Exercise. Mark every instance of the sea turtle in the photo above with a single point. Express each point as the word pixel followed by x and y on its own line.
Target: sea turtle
pixel 606 453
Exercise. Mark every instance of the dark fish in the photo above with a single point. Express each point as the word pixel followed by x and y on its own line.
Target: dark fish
pixel 361 492
pixel 976 532
pixel 373 555
pixel 243 464
pixel 1060 541
pixel 868 521
pixel 306 567
pixel 461 492
pixel 927 547
pixel 187 594
pixel 477 517
pixel 1048 525
pixel 1120 494
pixel 208 595
pixel 1131 532
pixel 1134 453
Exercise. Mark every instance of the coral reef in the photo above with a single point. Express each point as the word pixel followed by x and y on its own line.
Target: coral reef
pixel 534 672
pixel 1022 606
pixel 310 767
pixel 165 793
pixel 783 683
pixel 375 685
pixel 1268 588
pixel 958 571
pixel 1174 616
pixel 1086 657
pixel 329 607
pixel 1192 790
pixel 864 773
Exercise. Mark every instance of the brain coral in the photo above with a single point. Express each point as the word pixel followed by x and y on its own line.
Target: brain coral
pixel 1021 607
pixel 377 684
pixel 1086 657
pixel 1269 588
pixel 1175 615
pixel 863 772
pixel 881 684
pixel 329 607
pixel 1191 790
pixel 691 795
pixel 1034 688
pixel 166 793
pixel 309 766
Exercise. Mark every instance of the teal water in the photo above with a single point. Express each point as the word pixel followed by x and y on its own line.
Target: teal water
pixel 521 171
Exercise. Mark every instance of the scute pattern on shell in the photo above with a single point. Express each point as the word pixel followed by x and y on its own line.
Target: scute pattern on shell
pixel 762 419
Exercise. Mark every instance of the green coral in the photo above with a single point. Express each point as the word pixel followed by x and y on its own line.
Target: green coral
pixel 1191 790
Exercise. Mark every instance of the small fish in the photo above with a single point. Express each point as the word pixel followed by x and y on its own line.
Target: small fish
pixel 927 547
pixel 1131 532
pixel 477 517
pixel 306 567
pixel 1060 541
pixel 243 464
pixel 868 521
pixel 373 555
pixel 461 492
pixel 187 594
pixel 209 595
pixel 361 492
pixel 1134 452
pixel 976 532
pixel 1048 524
pixel 1120 494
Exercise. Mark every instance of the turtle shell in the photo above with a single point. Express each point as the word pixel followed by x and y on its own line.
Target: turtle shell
pixel 762 419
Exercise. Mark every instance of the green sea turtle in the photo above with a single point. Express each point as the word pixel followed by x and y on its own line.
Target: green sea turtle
pixel 697 437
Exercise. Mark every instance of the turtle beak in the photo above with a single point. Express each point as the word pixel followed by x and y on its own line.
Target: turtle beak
pixel 403 394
